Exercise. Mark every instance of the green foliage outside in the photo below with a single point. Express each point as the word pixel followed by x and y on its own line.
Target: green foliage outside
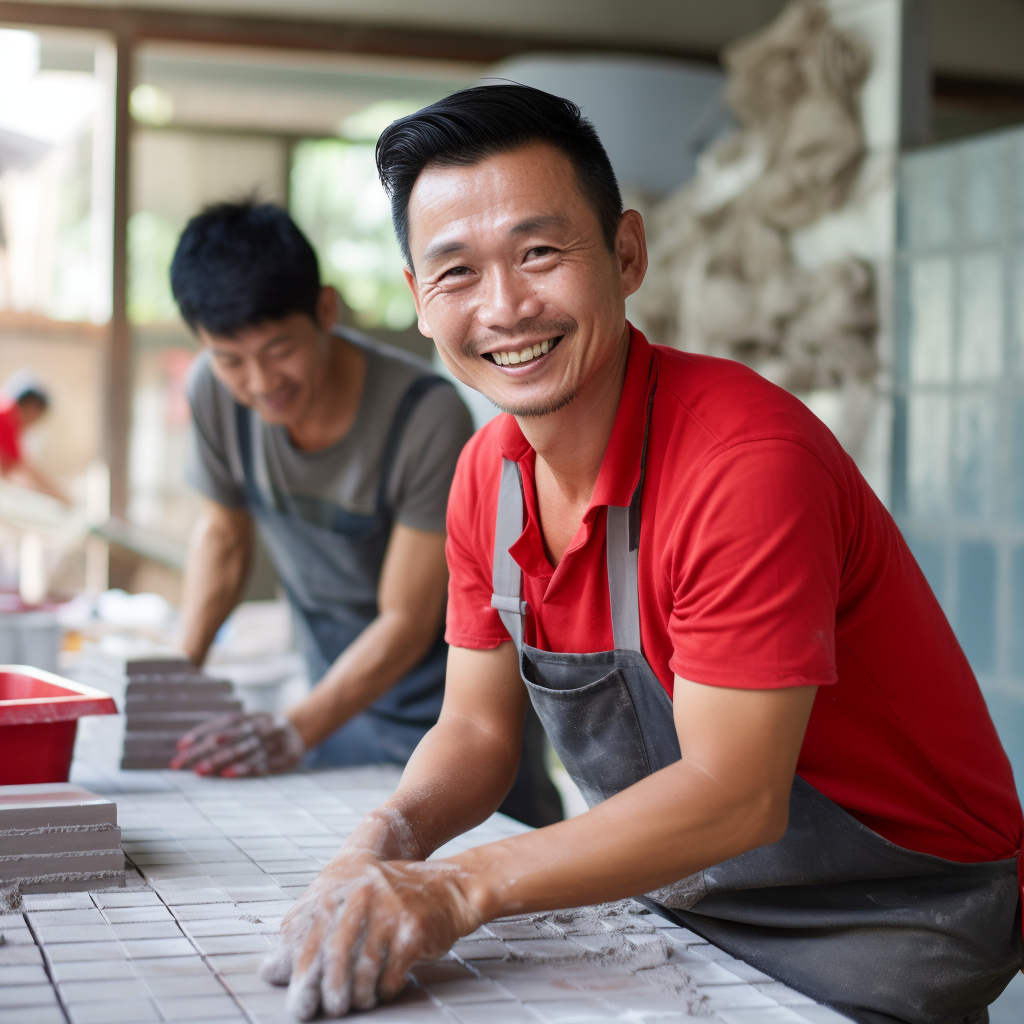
pixel 337 200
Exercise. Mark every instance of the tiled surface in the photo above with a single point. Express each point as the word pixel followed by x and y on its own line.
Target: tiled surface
pixel 208 880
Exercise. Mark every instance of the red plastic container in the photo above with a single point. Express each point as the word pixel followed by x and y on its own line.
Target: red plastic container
pixel 39 715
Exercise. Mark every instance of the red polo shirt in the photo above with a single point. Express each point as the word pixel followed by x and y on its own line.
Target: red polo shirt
pixel 10 434
pixel 765 561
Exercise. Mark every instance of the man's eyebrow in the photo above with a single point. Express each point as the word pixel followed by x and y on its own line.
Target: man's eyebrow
pixel 550 220
pixel 437 250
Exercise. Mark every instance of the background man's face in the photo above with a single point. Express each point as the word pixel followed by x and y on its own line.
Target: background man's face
pixel 273 367
pixel 510 261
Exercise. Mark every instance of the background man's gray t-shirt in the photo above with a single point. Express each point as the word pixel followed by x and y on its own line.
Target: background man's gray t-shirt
pixel 345 475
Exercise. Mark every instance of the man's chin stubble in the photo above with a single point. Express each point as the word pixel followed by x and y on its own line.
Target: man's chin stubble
pixel 560 401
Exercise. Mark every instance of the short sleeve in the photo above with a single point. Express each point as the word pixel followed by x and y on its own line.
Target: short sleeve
pixel 756 561
pixel 432 441
pixel 207 467
pixel 471 621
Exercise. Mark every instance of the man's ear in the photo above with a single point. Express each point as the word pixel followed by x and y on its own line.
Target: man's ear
pixel 631 251
pixel 421 322
pixel 327 308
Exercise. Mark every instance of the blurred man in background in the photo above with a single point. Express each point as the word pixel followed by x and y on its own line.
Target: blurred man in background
pixel 341 451
pixel 24 401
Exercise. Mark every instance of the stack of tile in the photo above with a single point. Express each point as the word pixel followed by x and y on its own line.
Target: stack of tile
pixel 57 837
pixel 162 700
pixel 162 695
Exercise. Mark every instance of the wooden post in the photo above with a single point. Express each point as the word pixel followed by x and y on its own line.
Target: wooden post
pixel 119 366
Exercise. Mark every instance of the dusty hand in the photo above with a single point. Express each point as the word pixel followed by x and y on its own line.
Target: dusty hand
pixel 351 938
pixel 241 744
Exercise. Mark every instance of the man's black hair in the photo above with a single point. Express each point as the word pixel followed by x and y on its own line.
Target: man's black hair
pixel 473 124
pixel 31 395
pixel 241 264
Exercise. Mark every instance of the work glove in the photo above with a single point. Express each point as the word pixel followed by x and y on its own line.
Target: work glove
pixel 239 744
pixel 348 942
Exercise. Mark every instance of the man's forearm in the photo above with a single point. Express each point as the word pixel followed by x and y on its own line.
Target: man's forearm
pixel 456 778
pixel 662 829
pixel 389 647
pixel 215 570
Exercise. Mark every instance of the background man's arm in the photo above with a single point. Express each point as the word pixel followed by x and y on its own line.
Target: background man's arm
pixel 411 597
pixel 728 794
pixel 216 566
pixel 411 600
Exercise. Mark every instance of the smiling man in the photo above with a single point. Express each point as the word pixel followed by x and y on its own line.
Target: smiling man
pixel 720 626
pixel 342 452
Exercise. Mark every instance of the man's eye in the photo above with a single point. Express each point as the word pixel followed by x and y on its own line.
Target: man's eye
pixel 455 272
pixel 539 251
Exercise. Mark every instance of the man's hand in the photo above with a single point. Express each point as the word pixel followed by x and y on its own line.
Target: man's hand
pixel 241 744
pixel 351 938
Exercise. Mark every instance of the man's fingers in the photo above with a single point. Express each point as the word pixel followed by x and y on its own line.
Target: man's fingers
pixel 405 950
pixel 367 970
pixel 276 968
pixel 342 948
pixel 211 726
pixel 307 968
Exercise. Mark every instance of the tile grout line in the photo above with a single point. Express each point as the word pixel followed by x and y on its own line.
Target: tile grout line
pixel 46 965
pixel 192 942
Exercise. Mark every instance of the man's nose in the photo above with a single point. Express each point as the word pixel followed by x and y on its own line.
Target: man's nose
pixel 259 382
pixel 508 299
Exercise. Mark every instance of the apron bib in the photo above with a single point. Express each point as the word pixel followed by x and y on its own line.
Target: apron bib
pixel 833 909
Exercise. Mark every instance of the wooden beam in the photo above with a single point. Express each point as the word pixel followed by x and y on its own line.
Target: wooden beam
pixel 335 36
pixel 119 364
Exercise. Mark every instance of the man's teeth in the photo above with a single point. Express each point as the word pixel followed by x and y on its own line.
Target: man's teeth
pixel 524 356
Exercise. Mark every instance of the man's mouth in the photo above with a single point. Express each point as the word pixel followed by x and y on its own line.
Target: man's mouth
pixel 525 354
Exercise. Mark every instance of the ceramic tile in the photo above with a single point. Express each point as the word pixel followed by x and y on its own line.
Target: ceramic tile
pixel 53 934
pixel 26 995
pixel 134 915
pixel 102 991
pixel 91 970
pixel 216 944
pixel 492 1013
pixel 167 929
pixel 35 1015
pixel 22 974
pixel 228 963
pixel 195 1007
pixel 762 1015
pixel 138 949
pixel 734 997
pixel 121 1011
pixel 83 951
pixel 206 984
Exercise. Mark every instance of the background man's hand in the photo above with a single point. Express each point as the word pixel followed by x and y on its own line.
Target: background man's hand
pixel 351 938
pixel 241 744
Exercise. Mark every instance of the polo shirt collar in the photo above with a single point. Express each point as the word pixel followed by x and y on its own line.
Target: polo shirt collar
pixel 620 468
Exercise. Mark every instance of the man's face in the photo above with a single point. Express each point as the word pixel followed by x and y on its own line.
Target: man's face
pixel 30 412
pixel 275 367
pixel 510 262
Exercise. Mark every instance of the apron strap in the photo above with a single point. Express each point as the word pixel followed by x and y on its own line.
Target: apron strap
pixel 416 390
pixel 258 489
pixel 623 588
pixel 507 577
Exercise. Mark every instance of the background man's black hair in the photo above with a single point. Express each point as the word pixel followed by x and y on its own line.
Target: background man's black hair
pixel 30 396
pixel 473 124
pixel 241 264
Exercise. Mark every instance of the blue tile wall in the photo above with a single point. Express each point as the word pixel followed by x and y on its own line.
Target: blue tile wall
pixel 958 458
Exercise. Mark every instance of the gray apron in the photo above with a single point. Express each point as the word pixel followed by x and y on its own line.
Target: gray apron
pixel 832 909
pixel 331 576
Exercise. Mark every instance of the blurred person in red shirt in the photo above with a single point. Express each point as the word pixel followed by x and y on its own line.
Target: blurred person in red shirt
pixel 24 401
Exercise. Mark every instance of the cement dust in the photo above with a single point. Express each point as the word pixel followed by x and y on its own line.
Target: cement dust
pixel 617 935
